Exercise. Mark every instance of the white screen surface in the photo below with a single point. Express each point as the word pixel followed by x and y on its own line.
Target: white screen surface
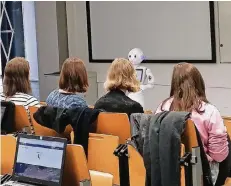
pixel 41 153
pixel 163 30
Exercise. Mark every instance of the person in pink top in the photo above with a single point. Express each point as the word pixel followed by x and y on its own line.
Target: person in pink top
pixel 188 94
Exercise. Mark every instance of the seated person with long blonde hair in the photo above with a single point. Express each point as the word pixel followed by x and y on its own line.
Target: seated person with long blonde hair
pixel 188 94
pixel 121 79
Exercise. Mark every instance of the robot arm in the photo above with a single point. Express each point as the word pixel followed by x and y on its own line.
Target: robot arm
pixel 150 80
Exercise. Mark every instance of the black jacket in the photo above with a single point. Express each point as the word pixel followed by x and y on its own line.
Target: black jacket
pixel 7 117
pixel 81 120
pixel 139 123
pixel 224 166
pixel 162 145
pixel 117 101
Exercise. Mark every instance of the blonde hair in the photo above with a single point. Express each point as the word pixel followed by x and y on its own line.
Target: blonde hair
pixel 122 75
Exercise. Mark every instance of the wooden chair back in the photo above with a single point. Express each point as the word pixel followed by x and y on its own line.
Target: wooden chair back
pixel 227 117
pixel 182 171
pixel 189 138
pixel 43 103
pixel 75 168
pixel 116 124
pixel 8 148
pixel 227 122
pixel 44 131
pixel 101 178
pixel 137 172
pixel 148 112
pixel 21 118
pixel 100 155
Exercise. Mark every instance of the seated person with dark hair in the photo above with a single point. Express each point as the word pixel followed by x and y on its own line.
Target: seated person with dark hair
pixel 16 83
pixel 73 83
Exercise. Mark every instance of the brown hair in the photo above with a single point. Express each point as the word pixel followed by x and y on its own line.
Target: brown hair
pixel 187 89
pixel 73 77
pixel 16 77
pixel 122 75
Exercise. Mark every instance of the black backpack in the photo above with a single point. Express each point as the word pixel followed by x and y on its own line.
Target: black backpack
pixel 7 117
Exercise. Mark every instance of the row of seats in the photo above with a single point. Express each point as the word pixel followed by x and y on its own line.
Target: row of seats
pixel 227 122
pixel 101 160
pixel 116 120
pixel 76 169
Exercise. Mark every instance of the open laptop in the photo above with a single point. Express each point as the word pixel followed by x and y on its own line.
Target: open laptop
pixel 38 161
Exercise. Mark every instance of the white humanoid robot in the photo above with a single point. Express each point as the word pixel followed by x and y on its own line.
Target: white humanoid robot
pixel 144 75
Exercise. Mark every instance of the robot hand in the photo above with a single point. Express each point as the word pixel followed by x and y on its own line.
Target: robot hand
pixel 150 77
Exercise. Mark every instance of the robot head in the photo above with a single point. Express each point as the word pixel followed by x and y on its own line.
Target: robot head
pixel 136 56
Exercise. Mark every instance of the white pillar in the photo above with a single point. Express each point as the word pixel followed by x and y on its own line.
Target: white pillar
pixel 30 39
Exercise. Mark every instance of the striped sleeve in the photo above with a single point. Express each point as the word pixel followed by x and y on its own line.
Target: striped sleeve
pixel 2 97
pixel 32 102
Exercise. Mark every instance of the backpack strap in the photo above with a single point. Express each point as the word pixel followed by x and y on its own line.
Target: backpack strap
pixel 30 120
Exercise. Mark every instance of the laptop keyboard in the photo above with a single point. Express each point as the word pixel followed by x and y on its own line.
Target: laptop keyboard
pixel 11 183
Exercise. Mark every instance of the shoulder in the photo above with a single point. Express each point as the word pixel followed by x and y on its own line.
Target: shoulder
pixel 25 99
pixel 53 93
pixel 106 96
pixel 210 114
pixel 31 101
pixel 77 98
pixel 164 105
pixel 135 106
pixel 210 109
pixel 138 107
pixel 23 95
pixel 101 101
pixel 2 95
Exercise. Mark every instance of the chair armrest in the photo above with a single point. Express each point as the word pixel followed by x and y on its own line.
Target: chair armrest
pixel 100 178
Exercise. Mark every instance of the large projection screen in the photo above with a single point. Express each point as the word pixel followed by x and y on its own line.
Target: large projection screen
pixel 167 32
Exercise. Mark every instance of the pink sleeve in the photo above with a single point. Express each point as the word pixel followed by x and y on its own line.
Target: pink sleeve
pixel 217 137
pixel 165 107
pixel 158 110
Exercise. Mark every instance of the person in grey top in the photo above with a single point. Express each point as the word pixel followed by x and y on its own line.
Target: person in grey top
pixel 73 84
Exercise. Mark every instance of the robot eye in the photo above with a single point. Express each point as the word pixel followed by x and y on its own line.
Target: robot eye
pixel 135 56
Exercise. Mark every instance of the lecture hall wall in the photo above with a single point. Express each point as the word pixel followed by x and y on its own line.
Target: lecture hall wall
pixel 217 76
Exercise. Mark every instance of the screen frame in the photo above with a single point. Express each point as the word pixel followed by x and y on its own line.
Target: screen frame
pixel 142 72
pixel 212 31
pixel 35 180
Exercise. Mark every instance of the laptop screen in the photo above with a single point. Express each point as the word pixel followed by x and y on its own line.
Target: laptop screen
pixel 39 159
